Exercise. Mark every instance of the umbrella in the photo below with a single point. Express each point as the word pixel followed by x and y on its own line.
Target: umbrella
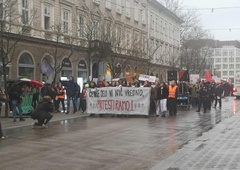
pixel 32 82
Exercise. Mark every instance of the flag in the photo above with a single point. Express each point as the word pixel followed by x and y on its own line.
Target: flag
pixel 208 76
pixel 46 68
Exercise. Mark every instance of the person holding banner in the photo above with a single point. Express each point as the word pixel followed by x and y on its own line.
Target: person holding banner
pixel 172 98
pixel 156 97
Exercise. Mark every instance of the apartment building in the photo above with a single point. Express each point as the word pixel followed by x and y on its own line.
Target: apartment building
pixel 226 59
pixel 54 36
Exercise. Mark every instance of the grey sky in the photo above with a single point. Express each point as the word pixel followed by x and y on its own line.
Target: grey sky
pixel 220 21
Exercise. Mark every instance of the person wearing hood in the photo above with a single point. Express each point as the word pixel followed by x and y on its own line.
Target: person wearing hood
pixel 72 89
pixel 42 112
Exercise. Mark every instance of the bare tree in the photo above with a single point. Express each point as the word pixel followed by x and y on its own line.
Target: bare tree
pixel 13 29
pixel 61 46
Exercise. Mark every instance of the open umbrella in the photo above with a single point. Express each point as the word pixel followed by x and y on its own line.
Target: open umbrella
pixel 32 82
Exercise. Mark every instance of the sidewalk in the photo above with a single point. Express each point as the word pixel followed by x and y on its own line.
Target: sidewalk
pixel 7 123
pixel 218 149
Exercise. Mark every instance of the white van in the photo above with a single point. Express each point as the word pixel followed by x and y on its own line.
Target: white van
pixel 237 86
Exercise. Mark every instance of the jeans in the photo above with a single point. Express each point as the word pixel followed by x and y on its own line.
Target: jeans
pixel 74 103
pixel 78 103
pixel 16 104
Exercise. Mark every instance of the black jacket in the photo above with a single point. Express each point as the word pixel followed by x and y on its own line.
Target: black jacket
pixel 72 88
pixel 163 92
pixel 44 107
pixel 15 92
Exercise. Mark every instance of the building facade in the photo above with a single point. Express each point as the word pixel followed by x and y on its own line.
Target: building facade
pixel 226 59
pixel 87 38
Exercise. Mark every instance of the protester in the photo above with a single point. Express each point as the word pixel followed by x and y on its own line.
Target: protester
pixel 202 97
pixel 163 99
pixel 172 98
pixel 72 89
pixel 218 95
pixel 35 99
pixel 61 97
pixel 15 94
pixel 156 96
pixel 42 112
pixel 3 98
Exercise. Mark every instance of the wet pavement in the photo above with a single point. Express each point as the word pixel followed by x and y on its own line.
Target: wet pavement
pixel 109 143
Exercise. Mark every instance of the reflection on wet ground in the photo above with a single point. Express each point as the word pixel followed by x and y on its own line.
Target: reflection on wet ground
pixel 109 143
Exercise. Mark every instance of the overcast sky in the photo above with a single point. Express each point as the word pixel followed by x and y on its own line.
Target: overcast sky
pixel 220 21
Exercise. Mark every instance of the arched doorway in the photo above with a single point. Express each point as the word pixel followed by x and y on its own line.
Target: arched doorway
pixel 66 68
pixel 47 69
pixel 26 66
pixel 82 70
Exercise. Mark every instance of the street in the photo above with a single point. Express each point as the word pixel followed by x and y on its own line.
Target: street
pixel 107 143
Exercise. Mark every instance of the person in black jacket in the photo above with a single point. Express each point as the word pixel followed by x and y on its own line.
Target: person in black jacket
pixel 163 98
pixel 15 94
pixel 203 95
pixel 72 89
pixel 218 95
pixel 42 112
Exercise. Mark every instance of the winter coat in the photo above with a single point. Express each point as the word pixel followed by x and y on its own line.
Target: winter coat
pixel 163 92
pixel 156 93
pixel 15 92
pixel 43 108
pixel 72 88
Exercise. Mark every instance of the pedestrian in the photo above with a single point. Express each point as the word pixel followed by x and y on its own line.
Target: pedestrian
pixel 42 112
pixel 156 97
pixel 15 94
pixel 194 95
pixel 163 98
pixel 218 95
pixel 172 98
pixel 3 98
pixel 72 89
pixel 61 97
pixel 202 97
pixel 35 98
pixel 84 98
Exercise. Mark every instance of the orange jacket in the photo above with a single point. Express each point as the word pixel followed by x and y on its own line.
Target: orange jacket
pixel 62 93
pixel 172 91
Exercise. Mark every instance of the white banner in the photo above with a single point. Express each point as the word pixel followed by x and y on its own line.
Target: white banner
pixel 119 100
pixel 143 77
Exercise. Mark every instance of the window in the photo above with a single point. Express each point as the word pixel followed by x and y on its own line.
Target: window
pixel 108 4
pixel 95 30
pixel 118 7
pixel 128 8
pixel 237 66
pixel 225 60
pixel 218 66
pixel 225 52
pixel 225 73
pixel 225 66
pixel 156 25
pixel 81 26
pixel 231 59
pixel 26 66
pixel 217 52
pixel 231 52
pixel 218 60
pixel 136 11
pixel 238 59
pixel 231 73
pixel 47 16
pixel 25 12
pixel 118 35
pixel 231 66
pixel 143 15
pixel 151 21
pixel 128 38
pixel 65 21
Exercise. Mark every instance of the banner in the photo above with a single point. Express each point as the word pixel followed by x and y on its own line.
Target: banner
pixel 143 77
pixel 119 100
